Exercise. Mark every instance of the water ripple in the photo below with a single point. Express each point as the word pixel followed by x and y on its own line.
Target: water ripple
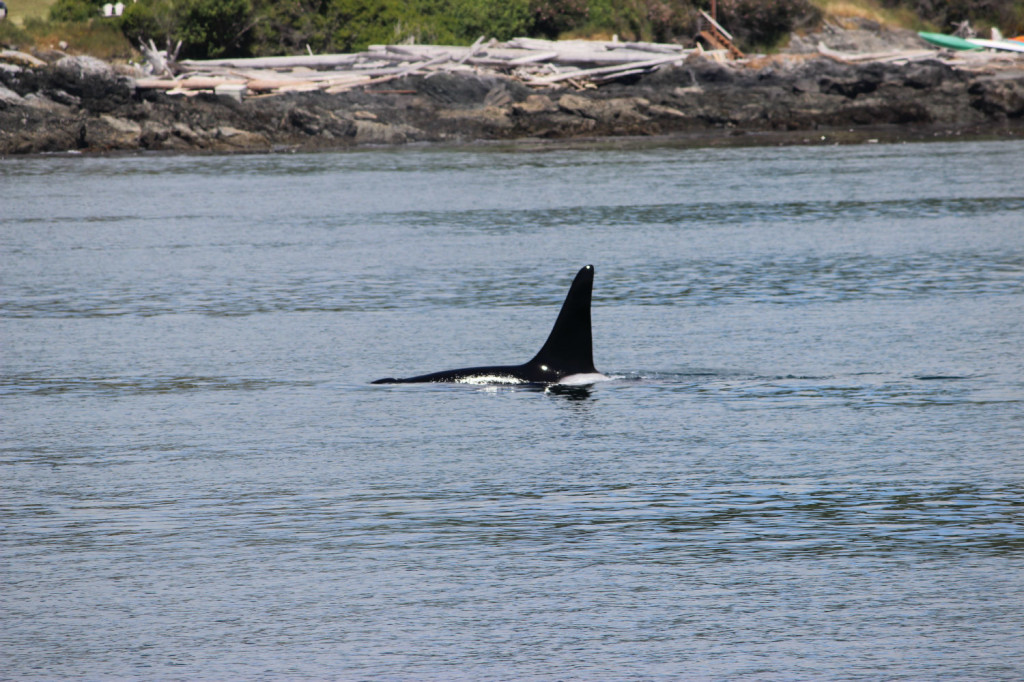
pixel 771 279
pixel 31 384
pixel 715 213
pixel 649 523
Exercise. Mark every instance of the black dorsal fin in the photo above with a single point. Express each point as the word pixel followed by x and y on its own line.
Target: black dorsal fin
pixel 569 348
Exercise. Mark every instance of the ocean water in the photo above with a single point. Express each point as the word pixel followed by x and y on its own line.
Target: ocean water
pixel 808 463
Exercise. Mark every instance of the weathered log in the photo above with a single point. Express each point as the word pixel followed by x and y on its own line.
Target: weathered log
pixel 666 48
pixel 476 47
pixel 23 58
pixel 854 57
pixel 155 83
pixel 319 61
pixel 532 58
pixel 604 70
pixel 200 83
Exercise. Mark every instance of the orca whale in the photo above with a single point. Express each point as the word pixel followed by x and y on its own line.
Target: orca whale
pixel 566 357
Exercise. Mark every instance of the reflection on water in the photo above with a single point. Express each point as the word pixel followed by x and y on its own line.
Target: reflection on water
pixel 569 392
pixel 807 463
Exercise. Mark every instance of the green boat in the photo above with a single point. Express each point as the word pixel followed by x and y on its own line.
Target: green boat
pixel 952 42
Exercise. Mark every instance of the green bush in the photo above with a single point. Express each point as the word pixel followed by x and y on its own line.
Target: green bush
pixel 206 28
pixel 155 20
pixel 288 26
pixel 501 20
pixel 76 10
pixel 762 24
pixel 359 23
pixel 658 20
pixel 553 17
pixel 352 25
pixel 215 28
pixel 12 36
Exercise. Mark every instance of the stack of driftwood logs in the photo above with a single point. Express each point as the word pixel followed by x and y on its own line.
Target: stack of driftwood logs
pixel 535 62
pixel 540 63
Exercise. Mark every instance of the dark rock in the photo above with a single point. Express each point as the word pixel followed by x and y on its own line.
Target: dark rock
pixel 927 74
pixel 998 97
pixel 10 98
pixel 851 82
pixel 91 80
pixel 458 89
pixel 625 110
pixel 81 104
pixel 306 121
pixel 711 72
pixel 108 132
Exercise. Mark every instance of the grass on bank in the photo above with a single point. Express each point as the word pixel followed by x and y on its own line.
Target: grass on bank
pixel 28 27
pixel 899 16
pixel 96 37
pixel 942 17
pixel 20 10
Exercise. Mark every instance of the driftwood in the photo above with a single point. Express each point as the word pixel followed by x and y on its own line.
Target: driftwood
pixel 324 61
pixel 159 62
pixel 22 58
pixel 893 56
pixel 605 71
pixel 536 62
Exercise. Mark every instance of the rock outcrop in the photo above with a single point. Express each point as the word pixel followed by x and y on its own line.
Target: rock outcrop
pixel 84 104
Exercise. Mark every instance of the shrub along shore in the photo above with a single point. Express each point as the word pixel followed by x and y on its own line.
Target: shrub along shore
pixel 820 91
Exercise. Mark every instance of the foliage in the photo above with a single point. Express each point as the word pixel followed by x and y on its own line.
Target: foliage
pixel 21 11
pixel 553 17
pixel 764 23
pixel 351 25
pixel 97 37
pixel 288 26
pixel 358 23
pixel 659 20
pixel 12 36
pixel 217 28
pixel 500 20
pixel 76 10
pixel 206 28
pixel 155 20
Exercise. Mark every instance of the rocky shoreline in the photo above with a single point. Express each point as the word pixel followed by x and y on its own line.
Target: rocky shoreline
pixel 81 104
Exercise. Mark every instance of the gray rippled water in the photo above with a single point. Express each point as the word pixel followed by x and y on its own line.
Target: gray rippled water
pixel 807 463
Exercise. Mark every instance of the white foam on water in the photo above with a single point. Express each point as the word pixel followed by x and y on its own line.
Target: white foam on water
pixel 482 379
pixel 583 379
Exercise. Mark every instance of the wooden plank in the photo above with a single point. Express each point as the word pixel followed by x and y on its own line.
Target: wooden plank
pixel 607 78
pixel 854 57
pixel 716 25
pixel 271 84
pixel 604 70
pixel 16 57
pixel 155 84
pixel 476 47
pixel 531 58
pixel 318 61
pixel 193 83
pixel 666 48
